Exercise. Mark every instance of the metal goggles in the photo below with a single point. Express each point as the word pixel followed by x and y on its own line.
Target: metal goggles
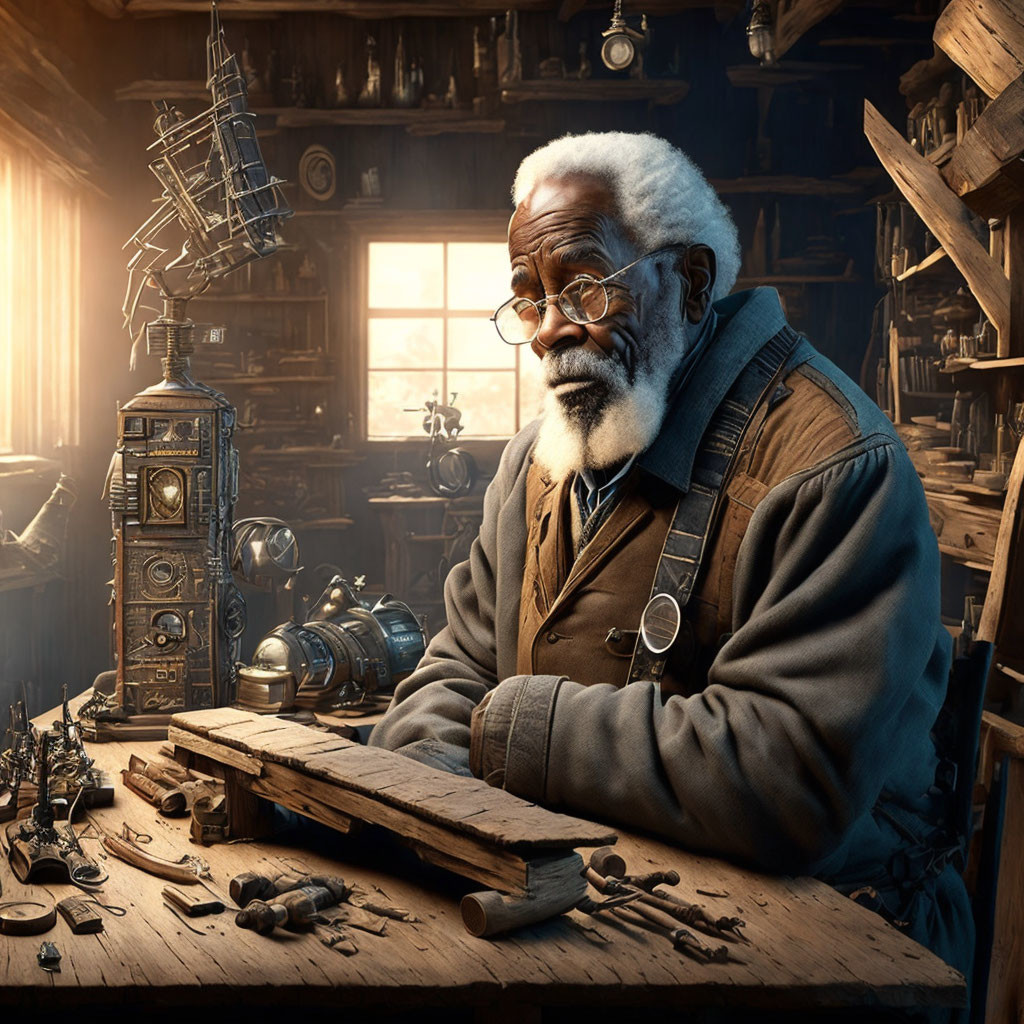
pixel 583 301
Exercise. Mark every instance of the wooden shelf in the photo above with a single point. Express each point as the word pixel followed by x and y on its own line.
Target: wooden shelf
pixel 150 89
pixel 929 261
pixel 927 394
pixel 330 523
pixel 21 577
pixel 662 92
pixel 373 9
pixel 1013 363
pixel 785 184
pixel 344 455
pixel 254 380
pixel 251 297
pixel 789 72
pixel 416 120
pixel 776 279
pixel 969 563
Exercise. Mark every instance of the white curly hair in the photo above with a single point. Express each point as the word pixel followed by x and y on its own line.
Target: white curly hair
pixel 661 194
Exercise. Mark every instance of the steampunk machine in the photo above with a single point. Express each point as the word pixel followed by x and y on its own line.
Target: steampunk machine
pixel 173 480
pixel 345 653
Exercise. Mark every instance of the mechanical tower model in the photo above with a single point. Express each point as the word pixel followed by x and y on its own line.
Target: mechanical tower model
pixel 173 480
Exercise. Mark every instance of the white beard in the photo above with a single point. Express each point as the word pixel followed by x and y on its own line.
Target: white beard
pixel 627 425
pixel 570 441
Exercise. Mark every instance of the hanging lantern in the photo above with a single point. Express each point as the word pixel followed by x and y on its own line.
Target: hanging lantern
pixel 761 32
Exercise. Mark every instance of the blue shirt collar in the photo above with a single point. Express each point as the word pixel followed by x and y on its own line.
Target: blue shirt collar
pixel 746 320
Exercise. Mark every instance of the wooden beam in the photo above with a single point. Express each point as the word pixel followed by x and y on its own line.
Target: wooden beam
pixel 568 8
pixel 923 78
pixel 39 108
pixel 1003 999
pixel 109 8
pixel 943 214
pixel 374 9
pixel 794 17
pixel 663 91
pixel 1001 613
pixel 986 39
pixel 985 170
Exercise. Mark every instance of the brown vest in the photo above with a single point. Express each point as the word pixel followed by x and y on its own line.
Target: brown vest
pixel 580 618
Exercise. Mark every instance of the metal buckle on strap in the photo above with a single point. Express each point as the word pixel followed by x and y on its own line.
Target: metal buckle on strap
pixel 660 622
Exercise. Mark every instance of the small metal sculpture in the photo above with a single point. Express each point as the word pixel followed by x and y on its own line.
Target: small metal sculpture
pixel 173 481
pixel 38 847
pixel 73 778
pixel 451 471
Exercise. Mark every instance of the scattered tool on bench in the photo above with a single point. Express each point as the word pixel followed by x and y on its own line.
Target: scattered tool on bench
pixel 188 870
pixel 635 898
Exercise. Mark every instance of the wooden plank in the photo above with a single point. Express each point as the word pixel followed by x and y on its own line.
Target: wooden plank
pixel 943 214
pixel 964 530
pixel 985 38
pixel 1002 617
pixel 794 17
pixel 894 373
pixel 930 260
pixel 1016 363
pixel 215 751
pixel 1011 345
pixel 985 170
pixel 388 780
pixel 312 797
pixel 1005 999
pixel 1004 736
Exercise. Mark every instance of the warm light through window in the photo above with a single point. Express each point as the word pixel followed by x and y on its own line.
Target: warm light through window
pixel 428 329
pixel 39 297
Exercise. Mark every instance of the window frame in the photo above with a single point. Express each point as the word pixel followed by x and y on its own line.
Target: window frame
pixel 403 226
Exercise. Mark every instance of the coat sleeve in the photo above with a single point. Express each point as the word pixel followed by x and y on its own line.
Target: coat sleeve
pixel 834 673
pixel 429 717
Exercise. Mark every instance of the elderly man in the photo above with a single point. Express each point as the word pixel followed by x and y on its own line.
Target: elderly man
pixel 704 599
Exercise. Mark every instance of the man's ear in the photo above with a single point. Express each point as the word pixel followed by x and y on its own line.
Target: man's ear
pixel 697 267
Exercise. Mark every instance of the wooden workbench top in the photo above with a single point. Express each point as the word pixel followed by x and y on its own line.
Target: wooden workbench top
pixel 808 946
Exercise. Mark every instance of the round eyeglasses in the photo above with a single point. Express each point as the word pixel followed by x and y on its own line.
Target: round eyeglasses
pixel 583 301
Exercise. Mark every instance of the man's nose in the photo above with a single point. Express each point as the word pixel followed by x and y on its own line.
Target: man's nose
pixel 556 331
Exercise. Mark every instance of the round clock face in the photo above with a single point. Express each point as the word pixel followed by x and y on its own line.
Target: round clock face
pixel 617 52
pixel 165 494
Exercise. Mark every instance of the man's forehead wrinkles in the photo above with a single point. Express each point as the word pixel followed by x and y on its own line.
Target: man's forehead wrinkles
pixel 569 244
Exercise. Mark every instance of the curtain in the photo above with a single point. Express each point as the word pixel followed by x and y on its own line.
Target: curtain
pixel 39 308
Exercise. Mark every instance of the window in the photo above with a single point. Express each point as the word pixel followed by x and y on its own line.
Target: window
pixel 428 330
pixel 39 297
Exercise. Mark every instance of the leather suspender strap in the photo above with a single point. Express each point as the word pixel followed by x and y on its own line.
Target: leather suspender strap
pixel 697 510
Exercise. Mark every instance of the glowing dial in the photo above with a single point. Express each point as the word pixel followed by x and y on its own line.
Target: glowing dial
pixel 165 494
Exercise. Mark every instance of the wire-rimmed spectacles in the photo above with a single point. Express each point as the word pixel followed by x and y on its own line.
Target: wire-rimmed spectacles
pixel 583 301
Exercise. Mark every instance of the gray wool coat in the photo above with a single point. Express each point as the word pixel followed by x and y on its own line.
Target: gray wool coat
pixel 808 750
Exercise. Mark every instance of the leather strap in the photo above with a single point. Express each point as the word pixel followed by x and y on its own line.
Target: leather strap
pixel 697 510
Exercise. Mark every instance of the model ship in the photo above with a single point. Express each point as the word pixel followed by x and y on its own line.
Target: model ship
pixel 173 481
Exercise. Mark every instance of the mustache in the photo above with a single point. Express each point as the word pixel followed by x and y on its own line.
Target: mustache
pixel 571 364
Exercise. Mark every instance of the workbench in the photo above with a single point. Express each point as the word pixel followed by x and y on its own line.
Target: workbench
pixel 809 947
